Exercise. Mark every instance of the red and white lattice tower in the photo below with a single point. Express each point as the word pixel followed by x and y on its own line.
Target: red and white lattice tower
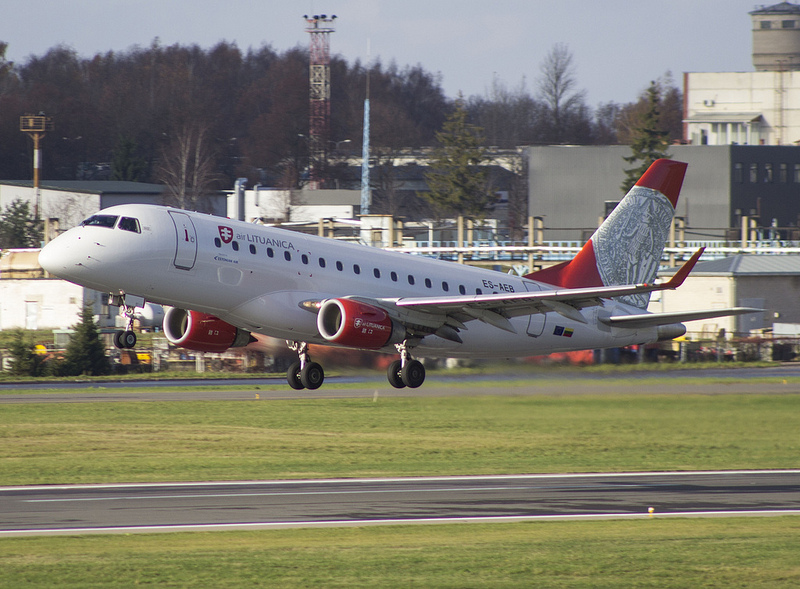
pixel 320 26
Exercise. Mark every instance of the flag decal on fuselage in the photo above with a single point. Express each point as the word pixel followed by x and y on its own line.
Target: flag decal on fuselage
pixel 563 331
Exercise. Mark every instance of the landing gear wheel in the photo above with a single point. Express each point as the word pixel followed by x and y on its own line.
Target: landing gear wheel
pixel 128 340
pixel 312 375
pixel 413 374
pixel 293 377
pixel 393 374
pixel 124 340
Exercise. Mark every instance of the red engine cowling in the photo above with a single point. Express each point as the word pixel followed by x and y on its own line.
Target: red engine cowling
pixel 357 325
pixel 202 332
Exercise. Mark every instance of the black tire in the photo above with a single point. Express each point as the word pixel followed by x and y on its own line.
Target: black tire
pixel 293 377
pixel 118 339
pixel 413 374
pixel 128 340
pixel 312 376
pixel 393 374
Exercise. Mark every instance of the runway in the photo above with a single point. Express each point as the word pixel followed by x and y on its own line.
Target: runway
pixel 81 509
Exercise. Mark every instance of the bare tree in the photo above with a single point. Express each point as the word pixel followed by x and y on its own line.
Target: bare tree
pixel 188 168
pixel 557 89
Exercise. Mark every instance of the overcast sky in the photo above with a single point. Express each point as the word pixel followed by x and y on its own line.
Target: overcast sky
pixel 618 46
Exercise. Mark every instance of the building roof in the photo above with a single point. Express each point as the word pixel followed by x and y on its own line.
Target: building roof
pixel 747 265
pixel 782 8
pixel 92 186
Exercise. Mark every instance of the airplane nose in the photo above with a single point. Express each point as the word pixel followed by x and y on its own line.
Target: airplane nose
pixel 50 258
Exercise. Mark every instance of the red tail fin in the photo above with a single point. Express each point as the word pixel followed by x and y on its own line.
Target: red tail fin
pixel 627 247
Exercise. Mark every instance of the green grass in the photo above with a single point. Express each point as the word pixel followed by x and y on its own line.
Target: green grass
pixel 219 440
pixel 746 552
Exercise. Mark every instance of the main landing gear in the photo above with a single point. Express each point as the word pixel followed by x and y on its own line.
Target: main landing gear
pixel 405 372
pixel 124 339
pixel 304 374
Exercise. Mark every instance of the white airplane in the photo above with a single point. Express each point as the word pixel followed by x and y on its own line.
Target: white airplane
pixel 226 279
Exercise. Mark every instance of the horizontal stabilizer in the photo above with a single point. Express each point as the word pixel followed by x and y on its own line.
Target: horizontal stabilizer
pixel 656 319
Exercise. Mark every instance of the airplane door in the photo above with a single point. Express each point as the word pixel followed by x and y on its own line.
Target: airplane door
pixel 186 248
pixel 536 321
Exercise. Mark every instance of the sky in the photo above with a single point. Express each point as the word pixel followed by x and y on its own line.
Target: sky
pixel 618 46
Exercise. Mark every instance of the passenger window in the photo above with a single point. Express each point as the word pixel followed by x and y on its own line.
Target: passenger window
pixel 322 262
pixel 411 280
pixel 428 283
pixel 101 221
pixel 376 272
pixel 478 291
pixel 235 245
pixel 393 275
pixel 252 249
pixel 217 242
pixel 304 258
pixel 339 266
pixel 462 289
pixel 356 268
pixel 287 256
pixel 270 252
pixel 129 224
pixel 445 287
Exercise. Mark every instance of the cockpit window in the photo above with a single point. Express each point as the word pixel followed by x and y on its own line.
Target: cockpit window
pixel 129 224
pixel 101 221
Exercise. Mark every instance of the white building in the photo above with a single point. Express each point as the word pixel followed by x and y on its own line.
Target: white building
pixel 751 108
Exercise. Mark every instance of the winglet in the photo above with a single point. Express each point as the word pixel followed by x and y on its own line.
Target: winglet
pixel 679 276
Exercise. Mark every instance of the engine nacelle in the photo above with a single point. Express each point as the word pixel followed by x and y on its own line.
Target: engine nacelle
pixel 357 325
pixel 202 332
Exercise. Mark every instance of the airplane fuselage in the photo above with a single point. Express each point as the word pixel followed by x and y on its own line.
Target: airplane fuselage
pixel 256 278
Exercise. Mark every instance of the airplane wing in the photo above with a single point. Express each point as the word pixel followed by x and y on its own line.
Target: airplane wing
pixel 497 309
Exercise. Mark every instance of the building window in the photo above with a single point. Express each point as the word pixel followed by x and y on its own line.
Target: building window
pixel 767 172
pixel 766 24
pixel 796 178
pixel 738 175
pixel 784 173
pixel 753 173
pixel 787 24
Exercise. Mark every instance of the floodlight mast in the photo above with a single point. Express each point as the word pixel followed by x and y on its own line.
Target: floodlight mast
pixel 319 26
pixel 36 126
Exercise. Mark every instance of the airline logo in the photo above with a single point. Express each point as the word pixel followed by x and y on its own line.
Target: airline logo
pixel 364 325
pixel 225 233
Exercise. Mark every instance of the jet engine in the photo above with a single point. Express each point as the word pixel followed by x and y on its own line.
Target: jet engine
pixel 202 332
pixel 357 325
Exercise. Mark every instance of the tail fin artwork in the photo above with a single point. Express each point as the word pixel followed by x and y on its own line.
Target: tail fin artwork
pixel 627 247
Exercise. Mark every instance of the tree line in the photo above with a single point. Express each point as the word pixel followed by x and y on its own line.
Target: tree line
pixel 245 114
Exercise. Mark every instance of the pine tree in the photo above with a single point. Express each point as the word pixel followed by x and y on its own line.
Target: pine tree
pixel 457 182
pixel 24 361
pixel 127 163
pixel 85 352
pixel 649 141
pixel 18 228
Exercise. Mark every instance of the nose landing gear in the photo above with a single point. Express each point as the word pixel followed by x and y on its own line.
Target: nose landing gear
pixel 126 339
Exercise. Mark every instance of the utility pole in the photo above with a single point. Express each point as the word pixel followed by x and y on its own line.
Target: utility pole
pixel 36 126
